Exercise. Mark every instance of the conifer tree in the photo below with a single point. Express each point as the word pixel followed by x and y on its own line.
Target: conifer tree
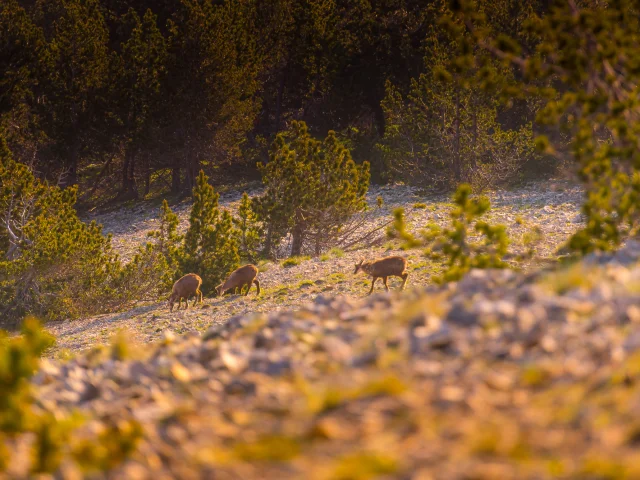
pixel 584 70
pixel 311 186
pixel 210 246
pixel 446 130
pixel 248 229
pixel 21 43
pixel 51 262
pixel 167 240
pixel 455 245
pixel 74 76
pixel 138 90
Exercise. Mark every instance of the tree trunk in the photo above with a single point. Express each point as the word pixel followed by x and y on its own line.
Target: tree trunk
pixel 133 187
pixel 147 176
pixel 474 155
pixel 192 170
pixel 128 189
pixel 175 180
pixel 71 177
pixel 318 244
pixel 268 243
pixel 457 161
pixel 125 173
pixel 279 98
pixel 297 236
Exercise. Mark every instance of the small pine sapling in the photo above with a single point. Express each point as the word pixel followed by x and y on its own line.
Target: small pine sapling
pixel 210 247
pixel 455 244
pixel 248 229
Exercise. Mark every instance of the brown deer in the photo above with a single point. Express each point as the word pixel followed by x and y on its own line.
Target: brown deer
pixel 384 268
pixel 185 287
pixel 239 278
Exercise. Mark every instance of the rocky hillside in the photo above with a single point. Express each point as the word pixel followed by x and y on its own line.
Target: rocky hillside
pixel 537 216
pixel 503 375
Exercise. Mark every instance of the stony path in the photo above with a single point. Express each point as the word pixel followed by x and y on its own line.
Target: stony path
pixel 541 215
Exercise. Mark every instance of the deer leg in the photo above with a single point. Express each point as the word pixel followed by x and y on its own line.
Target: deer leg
pixel 384 280
pixel 404 277
pixel 200 293
pixel 248 285
pixel 373 282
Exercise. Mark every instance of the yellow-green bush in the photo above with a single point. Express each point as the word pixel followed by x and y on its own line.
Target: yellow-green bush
pixel 53 432
pixel 453 244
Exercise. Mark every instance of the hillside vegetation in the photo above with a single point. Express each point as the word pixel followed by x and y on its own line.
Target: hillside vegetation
pixel 502 375
pixel 535 219
pixel 144 141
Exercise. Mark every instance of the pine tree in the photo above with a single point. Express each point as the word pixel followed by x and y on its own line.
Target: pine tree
pixel 74 76
pixel 167 240
pixel 139 92
pixel 584 71
pixel 455 244
pixel 446 130
pixel 213 69
pixel 21 44
pixel 52 263
pixel 248 229
pixel 210 246
pixel 312 187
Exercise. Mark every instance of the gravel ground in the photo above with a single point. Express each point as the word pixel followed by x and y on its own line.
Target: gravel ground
pixel 502 375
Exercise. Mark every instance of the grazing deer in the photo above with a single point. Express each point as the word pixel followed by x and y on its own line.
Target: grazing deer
pixel 184 288
pixel 239 278
pixel 383 268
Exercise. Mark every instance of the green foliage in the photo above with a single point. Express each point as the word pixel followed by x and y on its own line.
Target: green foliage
pixel 52 263
pixel 584 73
pixel 312 188
pixel 74 71
pixel 145 277
pixel 166 239
pixel 454 244
pixel 364 465
pixel 52 432
pixel 210 247
pixel 249 230
pixel 293 261
pixel 211 99
pixel 20 46
pixel 139 72
pixel 446 130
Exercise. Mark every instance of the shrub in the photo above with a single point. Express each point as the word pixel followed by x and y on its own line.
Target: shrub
pixel 248 230
pixel 52 264
pixel 445 133
pixel 584 74
pixel 293 261
pixel 208 248
pixel 312 188
pixel 453 244
pixel 52 433
pixel 167 240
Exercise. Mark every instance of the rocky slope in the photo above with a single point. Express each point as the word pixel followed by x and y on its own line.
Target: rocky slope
pixel 503 375
pixel 537 216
